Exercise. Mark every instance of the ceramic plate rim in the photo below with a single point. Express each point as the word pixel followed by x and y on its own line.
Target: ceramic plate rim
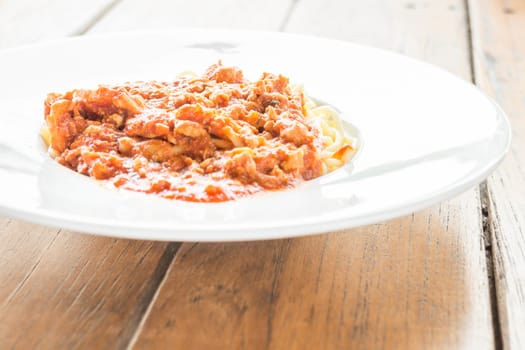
pixel 235 232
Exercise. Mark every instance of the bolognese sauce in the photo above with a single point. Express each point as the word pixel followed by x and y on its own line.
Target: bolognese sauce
pixel 208 138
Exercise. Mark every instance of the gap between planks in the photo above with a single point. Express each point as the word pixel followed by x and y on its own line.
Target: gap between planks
pixel 288 14
pixel 156 282
pixel 105 10
pixel 486 215
pixel 488 242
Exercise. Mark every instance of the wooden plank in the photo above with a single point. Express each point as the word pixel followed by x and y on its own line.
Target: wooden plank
pixel 27 21
pixel 82 291
pixel 164 14
pixel 426 30
pixel 498 29
pixel 415 282
pixel 410 283
pixel 60 289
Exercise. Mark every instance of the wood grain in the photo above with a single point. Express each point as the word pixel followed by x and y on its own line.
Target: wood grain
pixel 415 282
pixel 165 14
pixel 433 31
pixel 80 291
pixel 27 21
pixel 411 283
pixel 498 29
pixel 60 289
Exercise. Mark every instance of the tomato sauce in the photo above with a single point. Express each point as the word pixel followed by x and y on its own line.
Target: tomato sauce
pixel 209 138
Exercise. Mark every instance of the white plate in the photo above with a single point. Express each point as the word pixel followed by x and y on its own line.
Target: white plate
pixel 428 135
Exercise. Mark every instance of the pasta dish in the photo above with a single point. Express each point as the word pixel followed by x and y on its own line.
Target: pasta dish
pixel 208 138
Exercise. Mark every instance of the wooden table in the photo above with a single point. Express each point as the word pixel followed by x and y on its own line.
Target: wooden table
pixel 452 276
